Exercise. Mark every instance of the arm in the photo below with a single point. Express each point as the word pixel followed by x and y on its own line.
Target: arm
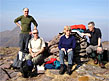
pixel 99 41
pixel 86 34
pixel 16 22
pixel 18 25
pixel 41 51
pixel 60 42
pixel 99 48
pixel 35 23
pixel 73 44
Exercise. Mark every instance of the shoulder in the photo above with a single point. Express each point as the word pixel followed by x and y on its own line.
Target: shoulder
pixel 62 37
pixel 41 38
pixel 21 16
pixel 72 37
pixel 31 40
pixel 97 30
pixel 30 16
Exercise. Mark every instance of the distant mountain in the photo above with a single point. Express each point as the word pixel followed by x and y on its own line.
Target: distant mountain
pixel 10 37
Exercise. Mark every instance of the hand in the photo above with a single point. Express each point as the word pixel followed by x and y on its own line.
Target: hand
pixel 69 50
pixel 32 54
pixel 20 28
pixel 36 54
pixel 63 49
pixel 99 49
pixel 89 35
pixel 30 33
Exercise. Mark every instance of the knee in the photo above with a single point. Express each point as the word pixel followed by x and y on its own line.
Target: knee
pixel 70 53
pixel 88 50
pixel 99 50
pixel 28 57
pixel 61 52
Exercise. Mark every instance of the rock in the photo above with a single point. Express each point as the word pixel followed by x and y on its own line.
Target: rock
pixel 83 78
pixel 4 75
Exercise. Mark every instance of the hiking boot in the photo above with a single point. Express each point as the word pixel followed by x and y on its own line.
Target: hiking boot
pixel 62 69
pixel 101 65
pixel 95 61
pixel 69 68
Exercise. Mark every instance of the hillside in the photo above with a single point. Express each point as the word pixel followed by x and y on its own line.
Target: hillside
pixel 82 69
pixel 10 38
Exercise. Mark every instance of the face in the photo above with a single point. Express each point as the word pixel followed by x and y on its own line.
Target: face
pixel 91 27
pixel 35 34
pixel 67 32
pixel 26 11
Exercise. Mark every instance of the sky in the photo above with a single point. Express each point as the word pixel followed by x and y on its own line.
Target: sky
pixel 53 15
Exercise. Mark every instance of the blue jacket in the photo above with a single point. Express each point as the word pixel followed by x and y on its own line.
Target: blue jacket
pixel 67 43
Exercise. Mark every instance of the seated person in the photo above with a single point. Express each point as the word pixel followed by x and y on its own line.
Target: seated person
pixel 66 47
pixel 36 48
pixel 95 47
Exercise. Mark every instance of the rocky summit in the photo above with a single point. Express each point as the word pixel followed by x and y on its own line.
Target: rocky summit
pixel 83 68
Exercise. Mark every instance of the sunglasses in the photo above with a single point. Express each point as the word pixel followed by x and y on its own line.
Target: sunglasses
pixel 35 33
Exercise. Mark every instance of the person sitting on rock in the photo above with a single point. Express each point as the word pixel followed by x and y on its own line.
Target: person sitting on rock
pixel 66 46
pixel 36 48
pixel 95 48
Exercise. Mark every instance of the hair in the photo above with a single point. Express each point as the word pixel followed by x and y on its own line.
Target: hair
pixel 66 28
pixel 91 23
pixel 37 30
pixel 25 8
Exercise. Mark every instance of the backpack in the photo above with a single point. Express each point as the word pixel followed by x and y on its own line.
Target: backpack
pixel 26 68
pixel 49 66
pixel 18 60
pixel 57 64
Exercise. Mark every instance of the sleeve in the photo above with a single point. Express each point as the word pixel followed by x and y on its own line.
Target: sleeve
pixel 18 19
pixel 34 22
pixel 87 31
pixel 60 42
pixel 99 33
pixel 43 43
pixel 74 43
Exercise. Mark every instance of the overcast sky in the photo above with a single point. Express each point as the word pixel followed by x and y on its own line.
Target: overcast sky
pixel 53 15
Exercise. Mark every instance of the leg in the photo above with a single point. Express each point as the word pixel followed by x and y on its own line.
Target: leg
pixel 21 42
pixel 36 60
pixel 61 56
pixel 91 51
pixel 70 58
pixel 100 57
pixel 27 38
pixel 28 57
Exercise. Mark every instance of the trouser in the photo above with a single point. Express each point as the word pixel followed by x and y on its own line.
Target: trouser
pixel 23 42
pixel 36 60
pixel 62 54
pixel 92 50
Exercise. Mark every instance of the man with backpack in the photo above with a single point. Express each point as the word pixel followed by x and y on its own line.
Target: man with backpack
pixel 36 48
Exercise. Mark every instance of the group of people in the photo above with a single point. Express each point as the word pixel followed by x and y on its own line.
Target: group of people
pixel 35 45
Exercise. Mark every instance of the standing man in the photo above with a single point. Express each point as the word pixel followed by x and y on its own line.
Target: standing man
pixel 95 48
pixel 25 28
